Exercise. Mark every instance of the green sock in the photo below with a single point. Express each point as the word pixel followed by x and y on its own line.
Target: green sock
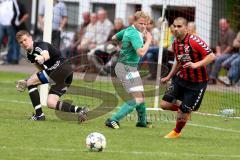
pixel 141 111
pixel 126 108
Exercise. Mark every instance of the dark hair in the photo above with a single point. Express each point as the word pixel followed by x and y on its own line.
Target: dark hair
pixel 184 20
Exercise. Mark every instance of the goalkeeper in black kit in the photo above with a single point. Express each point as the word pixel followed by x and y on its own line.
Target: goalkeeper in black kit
pixel 53 70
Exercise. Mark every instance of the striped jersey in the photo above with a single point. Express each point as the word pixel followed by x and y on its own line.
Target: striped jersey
pixel 191 49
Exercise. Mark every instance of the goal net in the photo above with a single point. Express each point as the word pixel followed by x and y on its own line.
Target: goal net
pixel 95 83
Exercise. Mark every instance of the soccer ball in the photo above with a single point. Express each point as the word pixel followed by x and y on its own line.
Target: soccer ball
pixel 96 142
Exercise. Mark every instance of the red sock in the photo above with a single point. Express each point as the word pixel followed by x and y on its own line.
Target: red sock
pixel 174 107
pixel 180 124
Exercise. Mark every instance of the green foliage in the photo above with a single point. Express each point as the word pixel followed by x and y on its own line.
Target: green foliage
pixel 232 12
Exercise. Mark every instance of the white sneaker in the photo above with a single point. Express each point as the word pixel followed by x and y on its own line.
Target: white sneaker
pixel 225 80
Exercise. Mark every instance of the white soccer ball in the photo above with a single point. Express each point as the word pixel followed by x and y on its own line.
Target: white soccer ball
pixel 96 142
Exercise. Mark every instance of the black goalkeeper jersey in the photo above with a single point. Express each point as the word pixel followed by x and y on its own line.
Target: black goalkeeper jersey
pixel 55 56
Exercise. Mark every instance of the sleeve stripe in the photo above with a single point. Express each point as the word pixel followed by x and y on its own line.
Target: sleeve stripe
pixel 38 49
pixel 201 43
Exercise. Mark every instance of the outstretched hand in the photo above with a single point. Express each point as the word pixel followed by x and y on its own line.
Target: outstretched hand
pixel 21 85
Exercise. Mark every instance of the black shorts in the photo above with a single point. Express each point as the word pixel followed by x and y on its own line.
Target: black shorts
pixel 60 78
pixel 191 97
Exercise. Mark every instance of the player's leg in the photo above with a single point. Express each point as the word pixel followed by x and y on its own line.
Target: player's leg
pixel 58 89
pixel 169 100
pixel 32 84
pixel 191 102
pixel 134 89
pixel 127 78
pixel 141 110
pixel 173 106
pixel 53 102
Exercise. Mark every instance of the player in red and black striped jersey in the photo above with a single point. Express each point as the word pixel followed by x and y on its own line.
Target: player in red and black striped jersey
pixel 53 70
pixel 189 75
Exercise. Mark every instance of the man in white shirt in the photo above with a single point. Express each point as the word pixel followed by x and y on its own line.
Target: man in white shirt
pixel 104 27
pixel 6 29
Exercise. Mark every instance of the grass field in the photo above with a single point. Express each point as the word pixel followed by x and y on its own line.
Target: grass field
pixel 205 137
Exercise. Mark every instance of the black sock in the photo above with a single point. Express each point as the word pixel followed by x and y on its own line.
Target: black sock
pixel 35 98
pixel 67 107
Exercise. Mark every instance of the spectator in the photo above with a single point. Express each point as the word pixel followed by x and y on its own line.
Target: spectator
pixel 7 29
pixel 86 16
pixel 103 56
pixel 79 35
pixel 72 49
pixel 224 48
pixel 21 15
pixel 130 20
pixel 104 27
pixel 58 23
pixel 152 53
pixel 89 38
pixel 191 28
pixel 233 64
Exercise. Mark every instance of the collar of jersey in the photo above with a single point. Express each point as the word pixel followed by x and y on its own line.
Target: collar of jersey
pixel 182 41
pixel 137 30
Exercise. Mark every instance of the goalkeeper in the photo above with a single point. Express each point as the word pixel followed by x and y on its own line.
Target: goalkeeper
pixel 53 70
pixel 133 47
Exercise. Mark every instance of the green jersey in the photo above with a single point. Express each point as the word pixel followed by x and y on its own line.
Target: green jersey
pixel 132 40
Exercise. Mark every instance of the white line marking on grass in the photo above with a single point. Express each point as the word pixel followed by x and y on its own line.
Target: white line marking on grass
pixel 189 123
pixel 212 127
pixel 14 101
pixel 205 126
pixel 200 113
pixel 157 153
pixel 172 154
pixel 214 115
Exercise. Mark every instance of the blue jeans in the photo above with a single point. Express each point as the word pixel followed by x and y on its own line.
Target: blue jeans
pixel 152 59
pixel 227 63
pixel 218 64
pixel 13 47
pixel 234 71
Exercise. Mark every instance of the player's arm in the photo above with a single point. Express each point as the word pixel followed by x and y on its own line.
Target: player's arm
pixel 119 36
pixel 114 38
pixel 44 56
pixel 142 51
pixel 199 45
pixel 208 59
pixel 175 68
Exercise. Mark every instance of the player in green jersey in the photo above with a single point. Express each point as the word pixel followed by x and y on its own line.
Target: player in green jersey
pixel 133 47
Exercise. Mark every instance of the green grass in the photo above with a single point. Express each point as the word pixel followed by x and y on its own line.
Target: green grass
pixel 205 137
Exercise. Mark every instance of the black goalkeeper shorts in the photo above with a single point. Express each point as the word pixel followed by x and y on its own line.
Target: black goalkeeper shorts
pixel 59 79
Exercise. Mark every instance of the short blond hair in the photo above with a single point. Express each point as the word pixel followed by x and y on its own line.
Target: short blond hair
pixel 141 14
pixel 21 33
